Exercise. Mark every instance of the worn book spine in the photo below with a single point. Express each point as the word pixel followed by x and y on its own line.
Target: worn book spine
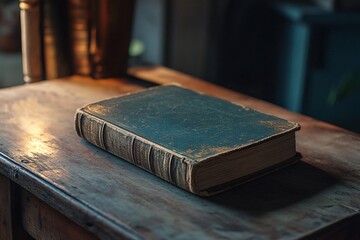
pixel 31 40
pixel 79 12
pixel 109 38
pixel 150 156
pixel 56 48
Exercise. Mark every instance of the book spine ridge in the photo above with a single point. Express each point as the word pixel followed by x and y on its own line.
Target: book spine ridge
pixel 78 120
pixel 152 157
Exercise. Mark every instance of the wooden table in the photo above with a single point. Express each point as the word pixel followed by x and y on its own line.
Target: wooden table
pixel 56 186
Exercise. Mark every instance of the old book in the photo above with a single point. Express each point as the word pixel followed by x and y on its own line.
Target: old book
pixel 44 34
pixel 197 142
pixel 109 37
pixel 31 40
pixel 79 12
pixel 60 38
pixel 56 44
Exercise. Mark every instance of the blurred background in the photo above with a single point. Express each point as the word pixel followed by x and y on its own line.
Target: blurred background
pixel 301 55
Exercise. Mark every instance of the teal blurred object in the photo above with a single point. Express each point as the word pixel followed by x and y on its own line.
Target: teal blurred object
pixel 348 86
pixel 317 50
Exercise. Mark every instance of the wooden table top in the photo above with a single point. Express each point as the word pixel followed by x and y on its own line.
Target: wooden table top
pixel 112 198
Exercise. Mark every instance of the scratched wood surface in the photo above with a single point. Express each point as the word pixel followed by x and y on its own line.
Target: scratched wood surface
pixel 112 198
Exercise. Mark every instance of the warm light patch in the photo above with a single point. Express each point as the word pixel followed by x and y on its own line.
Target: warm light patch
pixel 35 139
pixel 39 143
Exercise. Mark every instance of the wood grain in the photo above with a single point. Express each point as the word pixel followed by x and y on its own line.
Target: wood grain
pixel 112 198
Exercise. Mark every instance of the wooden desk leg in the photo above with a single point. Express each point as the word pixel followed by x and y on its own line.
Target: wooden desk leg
pixel 20 213
pixel 5 209
pixel 10 212
pixel 43 222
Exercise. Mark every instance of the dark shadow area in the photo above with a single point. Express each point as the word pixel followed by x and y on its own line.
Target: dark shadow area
pixel 246 56
pixel 141 82
pixel 277 190
pixel 347 228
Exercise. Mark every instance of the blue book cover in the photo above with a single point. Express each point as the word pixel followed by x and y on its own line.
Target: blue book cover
pixel 190 139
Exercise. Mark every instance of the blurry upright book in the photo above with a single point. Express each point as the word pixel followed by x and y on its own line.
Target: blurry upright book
pixel 62 38
pixel 31 40
pixel 200 143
